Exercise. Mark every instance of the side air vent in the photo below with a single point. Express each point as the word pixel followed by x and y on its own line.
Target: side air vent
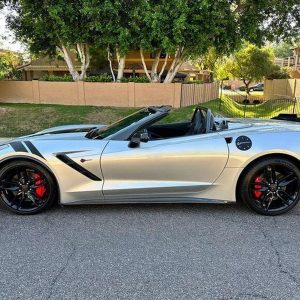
pixel 71 163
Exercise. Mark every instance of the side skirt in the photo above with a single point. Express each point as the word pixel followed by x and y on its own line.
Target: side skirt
pixel 150 201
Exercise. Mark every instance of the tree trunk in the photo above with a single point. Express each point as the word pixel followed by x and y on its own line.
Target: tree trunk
pixel 144 65
pixel 121 65
pixel 176 64
pixel 163 67
pixel 84 57
pixel 109 55
pixel 70 63
pixel 154 76
pixel 154 72
pixel 172 73
pixel 247 86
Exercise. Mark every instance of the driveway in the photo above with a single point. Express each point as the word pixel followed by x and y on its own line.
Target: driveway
pixel 150 252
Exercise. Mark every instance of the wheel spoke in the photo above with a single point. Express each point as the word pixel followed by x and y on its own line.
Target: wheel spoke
pixel 33 199
pixel 9 186
pixel 264 201
pixel 285 181
pixel 34 186
pixel 285 196
pixel 20 202
pixel 270 174
pixel 285 201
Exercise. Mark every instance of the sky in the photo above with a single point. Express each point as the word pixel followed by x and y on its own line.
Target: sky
pixel 7 39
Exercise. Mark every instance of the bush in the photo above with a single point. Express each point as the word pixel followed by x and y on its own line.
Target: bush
pixel 100 78
pixel 56 78
pixel 142 79
pixel 279 73
pixel 195 82
pixel 256 102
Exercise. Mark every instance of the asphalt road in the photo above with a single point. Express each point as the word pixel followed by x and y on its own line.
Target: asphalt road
pixel 150 252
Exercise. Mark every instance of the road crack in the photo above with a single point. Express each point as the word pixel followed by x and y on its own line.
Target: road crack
pixel 280 265
pixel 61 270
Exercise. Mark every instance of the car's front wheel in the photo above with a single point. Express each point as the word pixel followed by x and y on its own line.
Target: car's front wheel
pixel 26 187
pixel 271 187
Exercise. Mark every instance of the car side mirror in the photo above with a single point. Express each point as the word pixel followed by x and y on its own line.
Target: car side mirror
pixel 137 138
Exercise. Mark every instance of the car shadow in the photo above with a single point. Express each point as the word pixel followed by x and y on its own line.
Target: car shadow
pixel 194 208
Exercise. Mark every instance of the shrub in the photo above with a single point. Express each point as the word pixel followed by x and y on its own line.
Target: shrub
pixel 142 79
pixel 56 78
pixel 195 82
pixel 279 73
pixel 256 102
pixel 100 78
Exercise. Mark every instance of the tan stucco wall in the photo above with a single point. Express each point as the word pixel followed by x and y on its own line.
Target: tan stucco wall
pixel 16 91
pixel 91 93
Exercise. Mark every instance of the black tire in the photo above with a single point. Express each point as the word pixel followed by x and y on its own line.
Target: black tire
pixel 271 187
pixel 26 187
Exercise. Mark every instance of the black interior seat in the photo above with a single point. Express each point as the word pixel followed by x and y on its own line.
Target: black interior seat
pixel 197 123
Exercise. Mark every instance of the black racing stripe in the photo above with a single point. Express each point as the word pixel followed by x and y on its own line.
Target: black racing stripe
pixel 18 147
pixel 33 149
pixel 71 163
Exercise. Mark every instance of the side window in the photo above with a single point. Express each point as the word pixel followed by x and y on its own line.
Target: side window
pixel 169 127
pixel 178 116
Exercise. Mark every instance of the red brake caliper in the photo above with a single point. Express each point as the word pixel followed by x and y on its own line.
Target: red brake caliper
pixel 257 187
pixel 40 190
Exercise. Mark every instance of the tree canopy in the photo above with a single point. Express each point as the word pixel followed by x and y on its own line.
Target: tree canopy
pixel 8 65
pixel 250 63
pixel 180 29
pixel 51 26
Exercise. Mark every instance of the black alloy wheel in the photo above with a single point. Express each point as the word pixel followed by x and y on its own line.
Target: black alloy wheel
pixel 271 187
pixel 26 187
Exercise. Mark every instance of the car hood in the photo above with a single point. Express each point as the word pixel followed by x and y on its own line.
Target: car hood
pixel 68 129
pixel 66 132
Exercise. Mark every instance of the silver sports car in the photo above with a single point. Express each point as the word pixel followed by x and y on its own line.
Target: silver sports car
pixel 141 158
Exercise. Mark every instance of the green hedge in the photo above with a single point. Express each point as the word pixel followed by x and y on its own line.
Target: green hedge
pixel 56 78
pixel 100 78
pixel 195 82
pixel 142 79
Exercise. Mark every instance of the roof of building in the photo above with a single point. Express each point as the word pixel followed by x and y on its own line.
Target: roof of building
pixel 48 64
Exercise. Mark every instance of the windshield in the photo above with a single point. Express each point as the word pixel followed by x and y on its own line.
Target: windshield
pixel 117 126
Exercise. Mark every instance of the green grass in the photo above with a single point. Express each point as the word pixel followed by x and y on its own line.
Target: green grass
pixel 266 109
pixel 229 108
pixel 22 119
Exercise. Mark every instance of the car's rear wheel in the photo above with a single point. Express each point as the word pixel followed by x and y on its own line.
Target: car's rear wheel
pixel 26 187
pixel 271 187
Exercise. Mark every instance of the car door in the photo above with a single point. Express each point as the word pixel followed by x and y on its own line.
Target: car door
pixel 162 168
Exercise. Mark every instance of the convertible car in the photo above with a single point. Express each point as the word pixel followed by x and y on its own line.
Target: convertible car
pixel 143 158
